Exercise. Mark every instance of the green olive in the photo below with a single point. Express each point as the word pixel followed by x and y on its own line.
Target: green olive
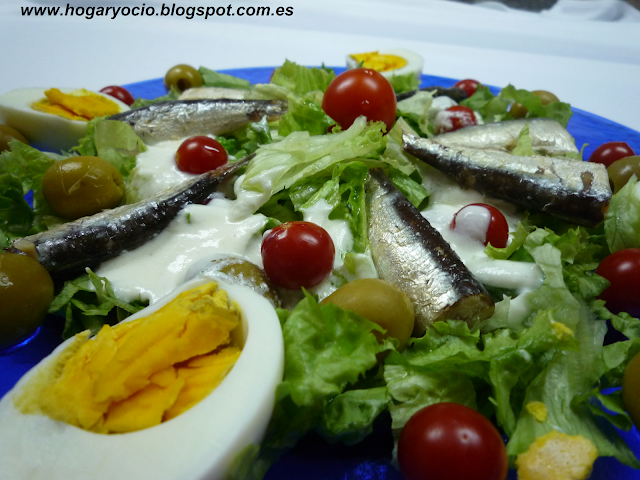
pixel 7 134
pixel 631 389
pixel 26 290
pixel 79 186
pixel 182 77
pixel 238 270
pixel 520 111
pixel 621 171
pixel 380 302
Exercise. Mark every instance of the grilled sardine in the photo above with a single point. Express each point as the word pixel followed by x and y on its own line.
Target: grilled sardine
pixel 412 255
pixel 181 118
pixel 547 136
pixel 88 241
pixel 577 192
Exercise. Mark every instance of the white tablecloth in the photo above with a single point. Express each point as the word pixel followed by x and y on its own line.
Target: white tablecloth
pixel 594 65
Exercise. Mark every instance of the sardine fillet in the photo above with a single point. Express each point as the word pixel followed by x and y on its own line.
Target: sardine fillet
pixel 181 118
pixel 88 241
pixel 412 255
pixel 578 192
pixel 547 136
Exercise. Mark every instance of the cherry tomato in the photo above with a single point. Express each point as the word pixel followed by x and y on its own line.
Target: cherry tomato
pixel 607 153
pixel 448 441
pixel 357 92
pixel 120 93
pixel 468 85
pixel 487 224
pixel 297 254
pixel 200 154
pixel 622 269
pixel 454 118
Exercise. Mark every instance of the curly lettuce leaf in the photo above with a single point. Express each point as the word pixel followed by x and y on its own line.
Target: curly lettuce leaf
pixel 113 141
pixel 492 108
pixel 300 80
pixel 404 83
pixel 211 78
pixel 558 111
pixel 304 115
pixel 21 169
pixel 327 350
pixel 622 220
pixel 172 94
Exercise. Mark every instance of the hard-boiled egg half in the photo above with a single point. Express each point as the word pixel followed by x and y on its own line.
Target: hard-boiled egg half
pixel 199 443
pixel 396 61
pixel 55 119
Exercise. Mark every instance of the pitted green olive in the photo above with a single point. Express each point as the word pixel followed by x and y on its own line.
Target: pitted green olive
pixel 621 171
pixel 182 77
pixel 7 134
pixel 81 186
pixel 520 111
pixel 239 270
pixel 26 290
pixel 380 302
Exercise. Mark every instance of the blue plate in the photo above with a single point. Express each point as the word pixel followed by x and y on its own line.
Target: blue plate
pixel 313 458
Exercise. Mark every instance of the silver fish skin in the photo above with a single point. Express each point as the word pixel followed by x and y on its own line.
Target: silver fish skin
pixel 181 118
pixel 86 242
pixel 578 192
pixel 412 255
pixel 548 137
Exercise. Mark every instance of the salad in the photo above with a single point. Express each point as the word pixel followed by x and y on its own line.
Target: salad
pixel 537 362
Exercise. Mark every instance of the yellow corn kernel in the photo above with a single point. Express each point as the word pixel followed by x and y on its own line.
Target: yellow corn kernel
pixel 557 456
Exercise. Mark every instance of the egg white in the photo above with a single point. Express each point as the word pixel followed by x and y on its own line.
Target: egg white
pixel 415 62
pixel 43 130
pixel 199 444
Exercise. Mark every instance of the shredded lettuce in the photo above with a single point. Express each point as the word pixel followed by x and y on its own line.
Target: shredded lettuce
pixel 88 302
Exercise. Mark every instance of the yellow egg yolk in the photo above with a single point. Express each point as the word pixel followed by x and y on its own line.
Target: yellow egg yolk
pixel 78 105
pixel 140 373
pixel 379 62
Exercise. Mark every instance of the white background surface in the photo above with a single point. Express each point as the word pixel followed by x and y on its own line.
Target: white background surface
pixel 594 65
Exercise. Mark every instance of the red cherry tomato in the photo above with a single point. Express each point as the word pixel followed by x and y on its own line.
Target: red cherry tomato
pixel 200 154
pixel 297 254
pixel 357 92
pixel 448 441
pixel 607 153
pixel 455 118
pixel 622 269
pixel 496 231
pixel 120 93
pixel 468 85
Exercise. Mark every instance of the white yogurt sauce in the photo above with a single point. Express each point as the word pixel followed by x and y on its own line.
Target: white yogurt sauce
pixel 199 231
pixel 156 169
pixel 519 276
pixel 338 230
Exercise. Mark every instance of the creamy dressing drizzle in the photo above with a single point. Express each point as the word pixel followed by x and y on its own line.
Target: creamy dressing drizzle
pixel 229 226
pixel 449 199
pixel 199 231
